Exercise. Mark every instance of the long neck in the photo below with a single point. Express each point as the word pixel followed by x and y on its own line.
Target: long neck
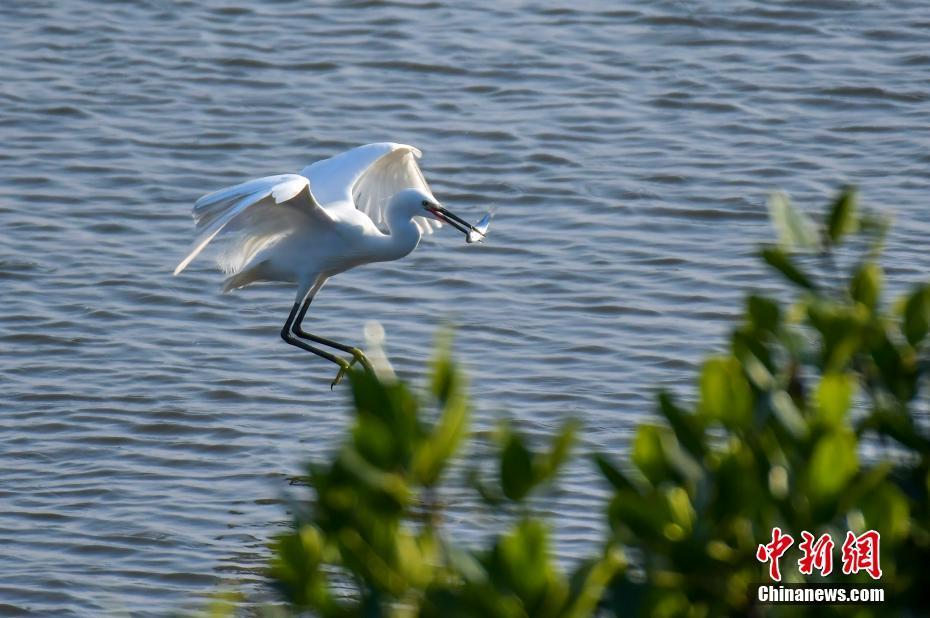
pixel 403 238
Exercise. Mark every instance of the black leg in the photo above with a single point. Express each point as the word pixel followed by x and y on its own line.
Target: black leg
pixel 289 337
pixel 357 355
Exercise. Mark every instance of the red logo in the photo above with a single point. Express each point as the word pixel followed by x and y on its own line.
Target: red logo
pixel 817 554
pixel 860 553
pixel 774 551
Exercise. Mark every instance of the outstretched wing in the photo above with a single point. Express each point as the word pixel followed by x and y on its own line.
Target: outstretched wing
pixel 259 210
pixel 367 177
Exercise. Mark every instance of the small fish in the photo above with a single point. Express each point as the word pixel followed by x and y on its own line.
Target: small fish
pixel 479 231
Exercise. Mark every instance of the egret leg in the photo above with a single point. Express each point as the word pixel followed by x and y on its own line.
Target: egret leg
pixel 357 355
pixel 289 337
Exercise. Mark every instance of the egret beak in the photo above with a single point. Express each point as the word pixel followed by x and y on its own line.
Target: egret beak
pixel 444 214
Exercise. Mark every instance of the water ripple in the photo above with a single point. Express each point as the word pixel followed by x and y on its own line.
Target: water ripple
pixel 150 423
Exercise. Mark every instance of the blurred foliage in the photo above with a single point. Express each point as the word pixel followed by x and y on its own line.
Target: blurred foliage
pixel 806 422
pixel 371 543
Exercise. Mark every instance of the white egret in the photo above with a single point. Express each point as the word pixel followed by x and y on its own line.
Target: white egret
pixel 304 228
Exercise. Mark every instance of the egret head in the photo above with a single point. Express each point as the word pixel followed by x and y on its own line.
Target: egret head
pixel 419 203
pixel 412 203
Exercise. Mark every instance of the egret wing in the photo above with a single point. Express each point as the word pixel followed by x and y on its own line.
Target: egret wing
pixel 333 178
pixel 367 177
pixel 259 210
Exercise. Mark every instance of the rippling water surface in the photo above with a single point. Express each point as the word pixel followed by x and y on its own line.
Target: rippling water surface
pixel 148 422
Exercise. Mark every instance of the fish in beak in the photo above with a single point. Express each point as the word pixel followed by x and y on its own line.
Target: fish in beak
pixel 480 231
pixel 472 233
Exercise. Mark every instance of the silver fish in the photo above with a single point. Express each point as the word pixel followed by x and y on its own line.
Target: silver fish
pixel 479 232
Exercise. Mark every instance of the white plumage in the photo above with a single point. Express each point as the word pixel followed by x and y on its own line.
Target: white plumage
pixel 367 177
pixel 365 205
pixel 255 214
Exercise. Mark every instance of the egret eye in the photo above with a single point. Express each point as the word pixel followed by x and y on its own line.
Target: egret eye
pixel 425 203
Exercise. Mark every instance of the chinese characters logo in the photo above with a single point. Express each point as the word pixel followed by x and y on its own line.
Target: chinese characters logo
pixel 859 553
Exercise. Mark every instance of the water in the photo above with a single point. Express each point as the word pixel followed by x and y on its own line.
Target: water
pixel 148 422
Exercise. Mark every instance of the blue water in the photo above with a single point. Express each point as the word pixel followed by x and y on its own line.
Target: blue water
pixel 149 423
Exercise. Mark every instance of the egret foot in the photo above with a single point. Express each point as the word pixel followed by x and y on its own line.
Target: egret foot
pixel 359 357
pixel 343 368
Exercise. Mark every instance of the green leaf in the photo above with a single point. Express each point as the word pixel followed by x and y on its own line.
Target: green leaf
pixel 725 393
pixel 764 314
pixel 795 230
pixel 680 510
pixel 645 516
pixel 649 455
pixel 520 561
pixel 389 484
pixel 489 494
pixel 751 349
pixel 589 583
pixel 548 465
pixel 834 397
pixel 842 218
pixel 887 509
pixel 842 327
pixel 517 474
pixel 444 379
pixel 898 426
pixel 866 285
pixel 687 427
pixel 739 484
pixel 295 567
pixel 434 453
pixel 833 464
pixel 897 366
pixel 917 315
pixel 875 226
pixel 389 408
pixel 613 475
pixel 464 563
pixel 778 259
pixel 788 414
